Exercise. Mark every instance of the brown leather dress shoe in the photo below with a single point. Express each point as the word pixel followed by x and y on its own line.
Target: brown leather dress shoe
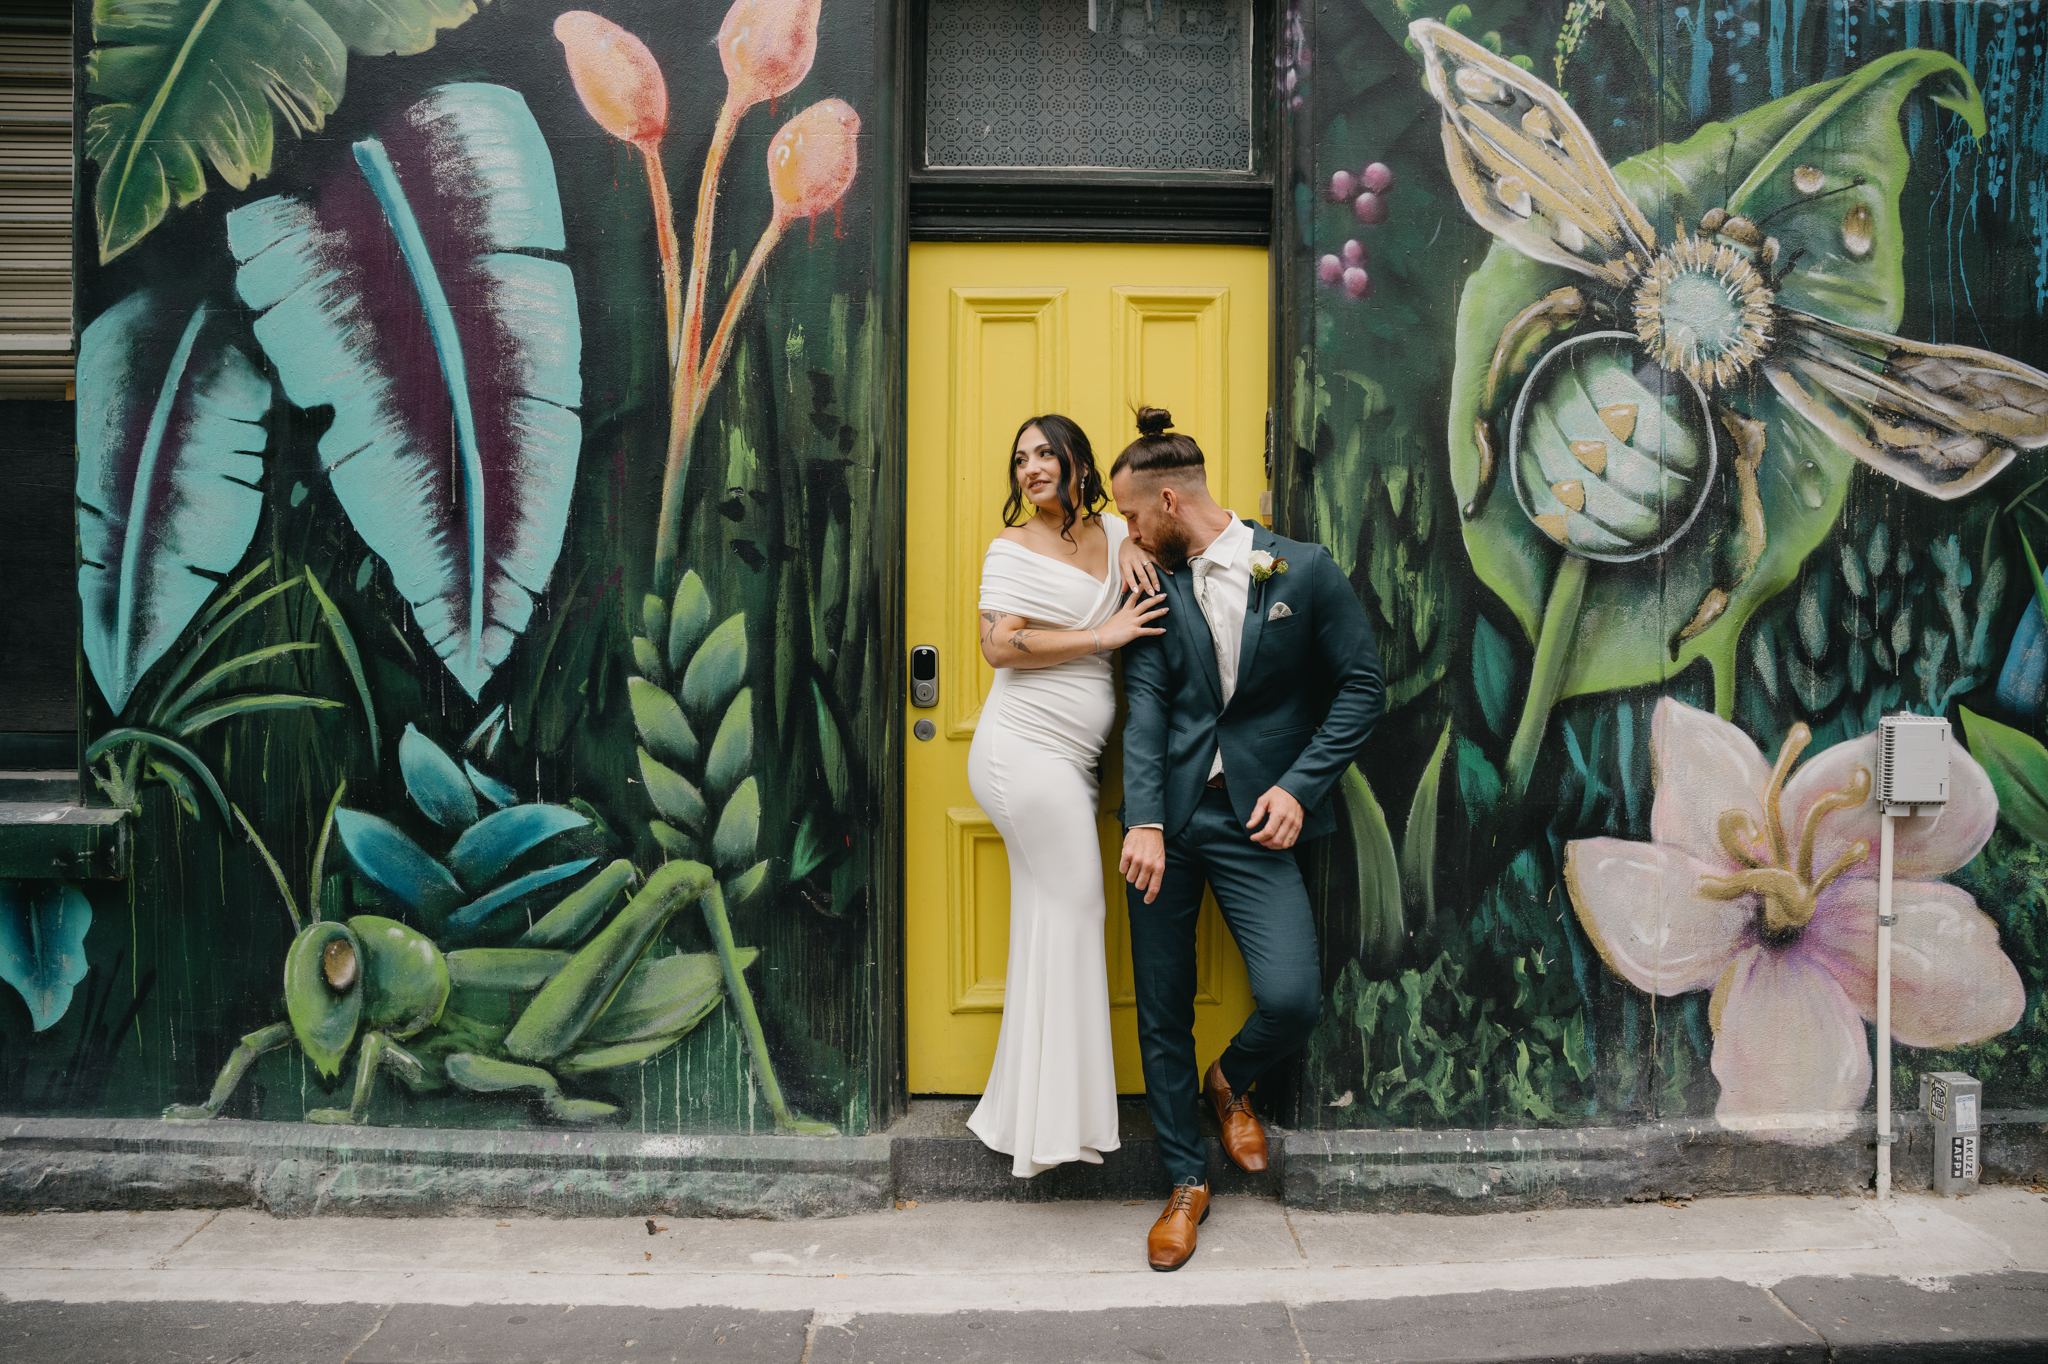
pixel 1244 1141
pixel 1172 1242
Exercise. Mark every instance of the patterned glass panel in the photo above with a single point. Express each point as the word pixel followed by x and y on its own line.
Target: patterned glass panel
pixel 1157 86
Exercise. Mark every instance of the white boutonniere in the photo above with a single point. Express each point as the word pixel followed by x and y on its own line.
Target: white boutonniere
pixel 1265 565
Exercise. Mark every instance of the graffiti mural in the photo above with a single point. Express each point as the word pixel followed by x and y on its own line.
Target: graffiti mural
pixel 1669 386
pixel 486 416
pixel 476 571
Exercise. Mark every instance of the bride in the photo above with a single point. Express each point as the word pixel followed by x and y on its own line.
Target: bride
pixel 1053 607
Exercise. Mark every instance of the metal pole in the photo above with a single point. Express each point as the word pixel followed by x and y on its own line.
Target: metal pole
pixel 1885 919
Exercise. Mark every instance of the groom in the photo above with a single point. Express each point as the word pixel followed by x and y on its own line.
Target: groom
pixel 1241 716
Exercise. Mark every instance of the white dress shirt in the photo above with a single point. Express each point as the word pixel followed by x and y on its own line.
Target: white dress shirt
pixel 1223 585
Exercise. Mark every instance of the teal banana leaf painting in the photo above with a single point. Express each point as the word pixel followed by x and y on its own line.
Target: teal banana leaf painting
pixel 169 463
pixel 439 890
pixel 407 293
pixel 42 944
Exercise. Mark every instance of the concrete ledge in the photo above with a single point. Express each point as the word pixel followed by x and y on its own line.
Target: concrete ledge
pixel 44 841
pixel 1473 1171
pixel 300 1169
pixel 936 1157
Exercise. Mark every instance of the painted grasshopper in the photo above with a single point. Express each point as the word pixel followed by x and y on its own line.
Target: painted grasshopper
pixel 488 1019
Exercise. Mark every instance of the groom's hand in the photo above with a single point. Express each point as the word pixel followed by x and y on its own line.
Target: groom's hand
pixel 1281 814
pixel 1144 861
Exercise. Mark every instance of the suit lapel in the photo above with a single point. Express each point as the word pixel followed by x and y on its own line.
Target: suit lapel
pixel 1254 613
pixel 1180 589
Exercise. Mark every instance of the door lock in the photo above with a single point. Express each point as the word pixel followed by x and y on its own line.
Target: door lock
pixel 924 676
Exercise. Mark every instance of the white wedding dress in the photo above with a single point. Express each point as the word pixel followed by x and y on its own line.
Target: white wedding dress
pixel 1051 1094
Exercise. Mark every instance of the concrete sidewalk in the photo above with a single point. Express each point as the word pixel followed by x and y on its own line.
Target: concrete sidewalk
pixel 1738 1278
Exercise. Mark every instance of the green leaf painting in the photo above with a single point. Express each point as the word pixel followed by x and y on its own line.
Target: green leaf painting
pixel 188 83
pixel 739 828
pixel 1493 676
pixel 1378 908
pixel 732 751
pixel 714 674
pixel 660 722
pixel 1419 839
pixel 2018 766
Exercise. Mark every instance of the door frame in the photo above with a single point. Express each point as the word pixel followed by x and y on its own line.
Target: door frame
pixel 1247 209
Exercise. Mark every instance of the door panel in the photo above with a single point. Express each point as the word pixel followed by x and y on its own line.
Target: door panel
pixel 999 332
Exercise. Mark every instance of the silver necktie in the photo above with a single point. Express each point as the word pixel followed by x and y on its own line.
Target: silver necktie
pixel 1204 592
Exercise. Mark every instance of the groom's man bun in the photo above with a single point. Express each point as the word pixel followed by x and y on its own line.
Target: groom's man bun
pixel 1159 453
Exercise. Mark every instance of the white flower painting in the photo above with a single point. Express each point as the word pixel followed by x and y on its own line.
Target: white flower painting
pixel 1760 883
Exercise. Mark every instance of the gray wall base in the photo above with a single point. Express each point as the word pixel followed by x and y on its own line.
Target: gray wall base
pixel 1465 1171
pixel 298 1169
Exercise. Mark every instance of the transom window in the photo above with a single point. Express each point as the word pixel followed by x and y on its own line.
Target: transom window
pixel 1101 84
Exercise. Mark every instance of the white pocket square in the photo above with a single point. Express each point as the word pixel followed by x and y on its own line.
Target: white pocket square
pixel 1281 610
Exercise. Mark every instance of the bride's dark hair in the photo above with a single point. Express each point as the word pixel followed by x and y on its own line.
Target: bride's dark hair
pixel 1080 487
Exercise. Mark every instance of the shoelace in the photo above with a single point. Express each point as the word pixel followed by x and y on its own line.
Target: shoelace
pixel 1239 1103
pixel 1183 1199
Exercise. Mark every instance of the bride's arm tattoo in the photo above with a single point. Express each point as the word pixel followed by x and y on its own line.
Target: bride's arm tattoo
pixel 1004 637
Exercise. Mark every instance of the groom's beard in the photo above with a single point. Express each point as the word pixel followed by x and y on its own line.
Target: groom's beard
pixel 1170 548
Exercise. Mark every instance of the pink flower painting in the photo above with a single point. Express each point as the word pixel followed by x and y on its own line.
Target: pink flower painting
pixel 1760 883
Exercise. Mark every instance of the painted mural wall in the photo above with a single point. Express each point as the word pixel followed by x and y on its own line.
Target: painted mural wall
pixel 1667 377
pixel 485 584
pixel 476 511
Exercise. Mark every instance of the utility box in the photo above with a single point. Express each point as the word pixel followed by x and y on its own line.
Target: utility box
pixel 1912 764
pixel 1954 1103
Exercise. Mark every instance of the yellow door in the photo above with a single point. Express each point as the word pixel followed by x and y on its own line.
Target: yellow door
pixel 999 333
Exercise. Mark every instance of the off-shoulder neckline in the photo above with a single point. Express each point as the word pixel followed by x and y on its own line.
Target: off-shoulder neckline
pixel 1110 559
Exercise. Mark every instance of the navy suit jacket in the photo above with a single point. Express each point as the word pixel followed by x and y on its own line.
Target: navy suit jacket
pixel 1309 691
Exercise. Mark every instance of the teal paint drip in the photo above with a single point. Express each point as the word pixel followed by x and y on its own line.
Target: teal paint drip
pixel 2037 218
pixel 2000 95
pixel 1774 49
pixel 1697 96
pixel 1968 20
pixel 1625 751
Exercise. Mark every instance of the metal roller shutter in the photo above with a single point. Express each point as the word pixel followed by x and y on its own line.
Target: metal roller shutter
pixel 35 201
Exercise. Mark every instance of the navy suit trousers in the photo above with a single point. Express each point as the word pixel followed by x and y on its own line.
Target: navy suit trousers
pixel 1266 907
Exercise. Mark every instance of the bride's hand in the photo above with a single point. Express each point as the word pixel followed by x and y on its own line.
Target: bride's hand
pixel 1133 618
pixel 1138 569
